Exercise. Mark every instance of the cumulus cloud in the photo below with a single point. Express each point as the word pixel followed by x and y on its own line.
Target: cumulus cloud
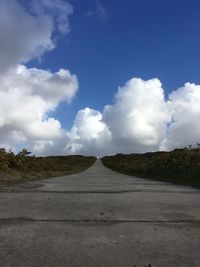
pixel 184 127
pixel 139 120
pixel 89 134
pixel 26 98
pixel 26 33
pixel 27 95
pixel 142 112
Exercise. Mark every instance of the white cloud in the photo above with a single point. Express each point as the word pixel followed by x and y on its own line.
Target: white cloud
pixel 184 128
pixel 28 33
pixel 141 112
pixel 27 95
pixel 26 98
pixel 89 135
pixel 139 120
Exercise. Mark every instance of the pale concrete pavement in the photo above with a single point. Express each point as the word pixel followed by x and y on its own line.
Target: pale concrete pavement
pixel 99 218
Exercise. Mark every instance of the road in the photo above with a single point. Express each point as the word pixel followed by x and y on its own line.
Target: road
pixel 99 218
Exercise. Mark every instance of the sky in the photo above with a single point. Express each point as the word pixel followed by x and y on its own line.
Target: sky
pixel 99 77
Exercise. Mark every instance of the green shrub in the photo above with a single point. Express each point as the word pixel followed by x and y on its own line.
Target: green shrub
pixel 30 166
pixel 181 166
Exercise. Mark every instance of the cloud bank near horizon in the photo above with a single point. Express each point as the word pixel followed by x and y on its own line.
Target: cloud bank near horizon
pixel 140 119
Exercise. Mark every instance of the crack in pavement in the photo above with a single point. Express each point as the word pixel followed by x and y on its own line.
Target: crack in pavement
pixel 96 221
pixel 100 192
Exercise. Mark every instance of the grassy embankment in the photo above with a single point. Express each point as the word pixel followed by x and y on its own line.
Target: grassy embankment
pixel 21 168
pixel 181 166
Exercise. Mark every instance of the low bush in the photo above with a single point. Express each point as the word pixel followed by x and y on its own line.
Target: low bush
pixel 23 167
pixel 181 166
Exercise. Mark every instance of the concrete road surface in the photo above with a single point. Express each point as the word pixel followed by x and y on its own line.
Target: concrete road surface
pixel 99 218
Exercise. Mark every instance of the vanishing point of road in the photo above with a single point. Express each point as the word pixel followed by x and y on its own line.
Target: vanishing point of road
pixel 99 218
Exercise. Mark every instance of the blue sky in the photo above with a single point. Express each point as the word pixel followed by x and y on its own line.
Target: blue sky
pixel 134 38
pixel 99 77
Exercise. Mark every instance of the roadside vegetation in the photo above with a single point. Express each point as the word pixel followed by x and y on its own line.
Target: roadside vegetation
pixel 181 166
pixel 23 167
